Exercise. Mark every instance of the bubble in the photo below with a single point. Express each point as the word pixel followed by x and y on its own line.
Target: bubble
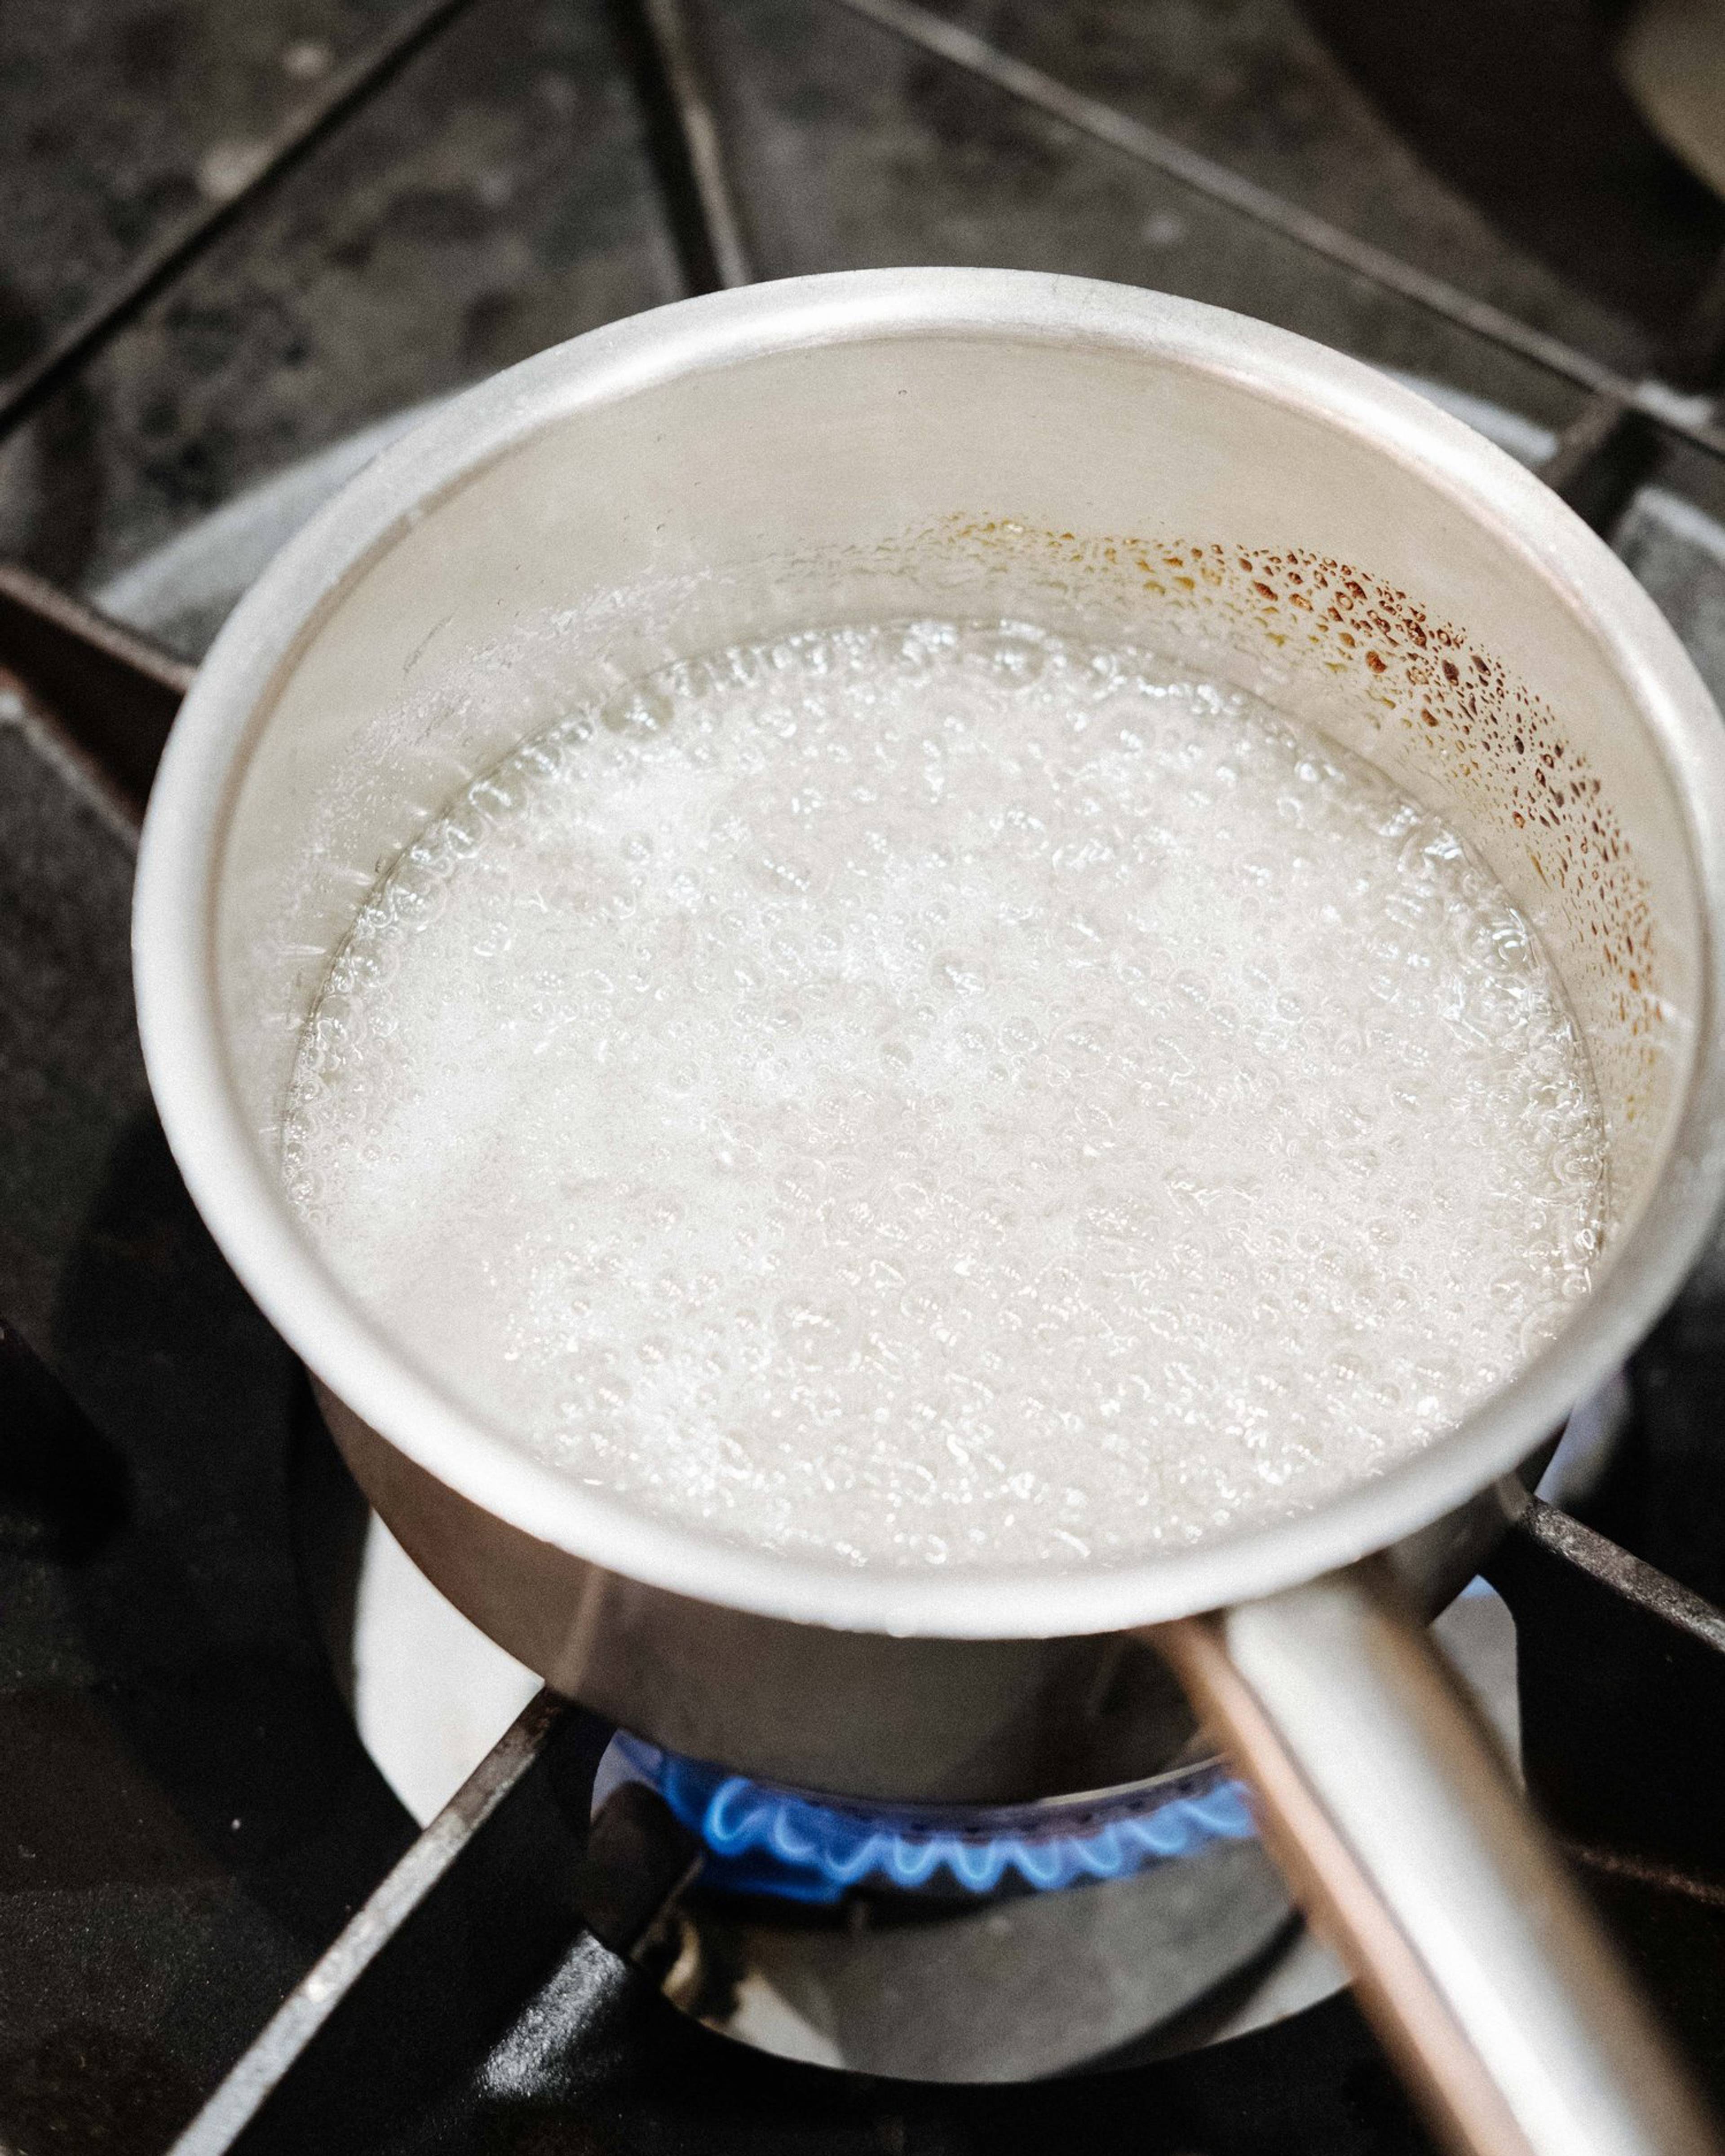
pixel 958 973
pixel 1020 1035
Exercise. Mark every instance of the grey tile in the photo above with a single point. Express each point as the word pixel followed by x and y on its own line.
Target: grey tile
pixel 495 199
pixel 1672 536
pixel 124 116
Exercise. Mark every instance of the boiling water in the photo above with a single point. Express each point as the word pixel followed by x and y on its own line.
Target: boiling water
pixel 938 1095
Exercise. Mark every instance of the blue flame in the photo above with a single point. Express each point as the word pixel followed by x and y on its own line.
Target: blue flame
pixel 767 1840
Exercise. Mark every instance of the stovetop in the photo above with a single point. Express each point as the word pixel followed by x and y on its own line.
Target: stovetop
pixel 240 243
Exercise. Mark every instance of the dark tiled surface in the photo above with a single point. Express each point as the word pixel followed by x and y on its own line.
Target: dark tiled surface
pixel 1673 537
pixel 186 1815
pixel 70 1076
pixel 122 116
pixel 850 146
pixel 493 199
pixel 1487 141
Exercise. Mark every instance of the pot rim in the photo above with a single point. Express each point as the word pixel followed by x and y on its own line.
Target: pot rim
pixel 246 1208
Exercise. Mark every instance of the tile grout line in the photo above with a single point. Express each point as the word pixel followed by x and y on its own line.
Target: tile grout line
pixel 671 35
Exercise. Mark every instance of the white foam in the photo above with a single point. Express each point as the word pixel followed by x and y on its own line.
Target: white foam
pixel 944 1096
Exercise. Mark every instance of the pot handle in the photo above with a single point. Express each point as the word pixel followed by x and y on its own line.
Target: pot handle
pixel 1385 1800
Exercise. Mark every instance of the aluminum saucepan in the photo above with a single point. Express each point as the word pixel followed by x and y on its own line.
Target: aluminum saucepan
pixel 1104 462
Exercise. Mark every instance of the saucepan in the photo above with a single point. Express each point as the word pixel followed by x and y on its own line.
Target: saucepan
pixel 1104 462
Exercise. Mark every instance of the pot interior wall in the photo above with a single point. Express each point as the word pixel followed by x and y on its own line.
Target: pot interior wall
pixel 1096 491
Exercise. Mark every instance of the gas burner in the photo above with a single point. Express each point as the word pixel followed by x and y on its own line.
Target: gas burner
pixel 785 1844
pixel 989 1986
pixel 917 1942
